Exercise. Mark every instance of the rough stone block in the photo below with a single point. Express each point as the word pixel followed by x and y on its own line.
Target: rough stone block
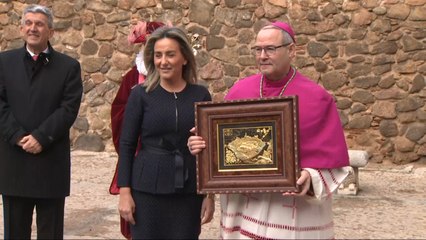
pixel 350 186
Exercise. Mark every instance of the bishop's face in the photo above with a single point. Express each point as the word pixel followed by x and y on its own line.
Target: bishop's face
pixel 277 64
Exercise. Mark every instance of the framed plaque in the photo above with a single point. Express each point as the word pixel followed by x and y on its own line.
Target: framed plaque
pixel 251 145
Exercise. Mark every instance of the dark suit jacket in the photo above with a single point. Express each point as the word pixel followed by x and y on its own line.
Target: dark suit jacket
pixel 40 98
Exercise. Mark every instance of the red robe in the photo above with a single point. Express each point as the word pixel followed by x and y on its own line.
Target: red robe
pixel 119 104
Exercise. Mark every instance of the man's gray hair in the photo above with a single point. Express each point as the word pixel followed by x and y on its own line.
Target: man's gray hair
pixel 39 9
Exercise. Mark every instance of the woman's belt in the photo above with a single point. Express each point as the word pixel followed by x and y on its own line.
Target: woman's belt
pixel 180 174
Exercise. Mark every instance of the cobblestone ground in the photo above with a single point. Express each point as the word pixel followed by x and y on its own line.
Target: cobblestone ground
pixel 390 205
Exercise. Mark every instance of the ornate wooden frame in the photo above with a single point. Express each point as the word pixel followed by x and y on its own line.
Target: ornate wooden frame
pixel 252 145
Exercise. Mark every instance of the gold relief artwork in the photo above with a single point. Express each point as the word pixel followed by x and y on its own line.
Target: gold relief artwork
pixel 248 146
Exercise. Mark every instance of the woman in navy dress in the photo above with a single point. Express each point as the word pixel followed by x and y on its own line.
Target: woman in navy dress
pixel 158 185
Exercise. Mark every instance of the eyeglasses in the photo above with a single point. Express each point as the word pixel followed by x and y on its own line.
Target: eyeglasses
pixel 269 50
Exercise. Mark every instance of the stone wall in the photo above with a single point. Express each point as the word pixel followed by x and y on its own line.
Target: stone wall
pixel 369 54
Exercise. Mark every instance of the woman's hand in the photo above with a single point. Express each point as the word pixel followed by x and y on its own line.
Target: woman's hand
pixel 126 205
pixel 207 209
pixel 304 182
pixel 195 143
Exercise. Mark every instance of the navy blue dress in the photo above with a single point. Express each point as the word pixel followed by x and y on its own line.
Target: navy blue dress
pixel 162 174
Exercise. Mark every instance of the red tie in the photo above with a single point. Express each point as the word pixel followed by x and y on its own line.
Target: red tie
pixel 35 57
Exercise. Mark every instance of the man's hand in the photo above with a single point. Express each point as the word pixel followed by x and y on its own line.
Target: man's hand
pixel 304 182
pixel 30 144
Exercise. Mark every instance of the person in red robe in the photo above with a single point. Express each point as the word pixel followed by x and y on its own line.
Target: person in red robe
pixel 139 34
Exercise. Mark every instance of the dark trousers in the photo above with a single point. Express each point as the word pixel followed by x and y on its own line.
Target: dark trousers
pixel 18 216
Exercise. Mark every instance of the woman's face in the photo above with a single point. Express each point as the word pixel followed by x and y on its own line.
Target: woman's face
pixel 168 59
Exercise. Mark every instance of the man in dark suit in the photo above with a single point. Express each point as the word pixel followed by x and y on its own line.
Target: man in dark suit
pixel 40 94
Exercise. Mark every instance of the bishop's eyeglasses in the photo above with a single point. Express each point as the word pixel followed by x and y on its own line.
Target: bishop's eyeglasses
pixel 269 50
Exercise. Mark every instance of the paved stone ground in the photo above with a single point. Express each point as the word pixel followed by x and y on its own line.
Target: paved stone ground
pixel 390 205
